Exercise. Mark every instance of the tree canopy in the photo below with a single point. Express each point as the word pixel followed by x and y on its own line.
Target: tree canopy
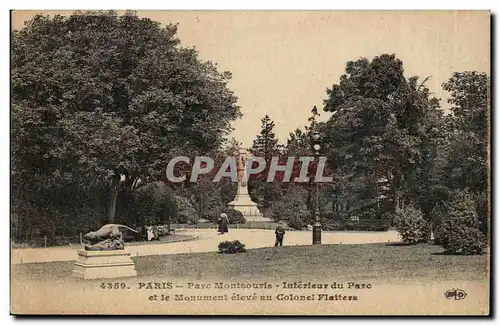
pixel 384 126
pixel 98 97
pixel 266 144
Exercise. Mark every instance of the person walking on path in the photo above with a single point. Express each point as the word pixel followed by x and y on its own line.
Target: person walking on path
pixel 280 234
pixel 224 221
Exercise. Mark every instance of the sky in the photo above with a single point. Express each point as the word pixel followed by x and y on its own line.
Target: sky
pixel 282 62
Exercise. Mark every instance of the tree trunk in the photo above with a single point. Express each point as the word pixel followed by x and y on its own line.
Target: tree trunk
pixel 395 188
pixel 397 201
pixel 394 192
pixel 113 195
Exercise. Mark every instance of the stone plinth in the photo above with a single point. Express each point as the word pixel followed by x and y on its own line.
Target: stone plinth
pixel 103 264
pixel 243 203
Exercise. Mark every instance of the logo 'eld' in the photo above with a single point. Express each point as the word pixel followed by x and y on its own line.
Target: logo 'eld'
pixel 456 294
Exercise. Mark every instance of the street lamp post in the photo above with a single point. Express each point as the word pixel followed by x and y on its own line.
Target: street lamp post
pixel 317 225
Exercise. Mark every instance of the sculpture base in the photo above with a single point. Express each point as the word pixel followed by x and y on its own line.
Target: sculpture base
pixel 244 204
pixel 103 264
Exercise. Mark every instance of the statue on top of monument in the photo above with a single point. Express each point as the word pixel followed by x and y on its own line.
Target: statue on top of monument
pixel 241 161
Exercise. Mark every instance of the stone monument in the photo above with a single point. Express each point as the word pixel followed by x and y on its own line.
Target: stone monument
pixel 242 202
pixel 104 256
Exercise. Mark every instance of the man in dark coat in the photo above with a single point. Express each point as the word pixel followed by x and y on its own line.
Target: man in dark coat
pixel 280 234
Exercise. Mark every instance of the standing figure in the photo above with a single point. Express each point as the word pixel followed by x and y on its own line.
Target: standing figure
pixel 224 221
pixel 280 234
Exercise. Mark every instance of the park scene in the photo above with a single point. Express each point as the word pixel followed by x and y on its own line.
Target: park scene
pixel 134 158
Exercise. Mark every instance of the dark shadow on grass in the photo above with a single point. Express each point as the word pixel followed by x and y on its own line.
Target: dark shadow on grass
pixel 399 244
pixel 444 253
pixel 409 244
pixel 456 254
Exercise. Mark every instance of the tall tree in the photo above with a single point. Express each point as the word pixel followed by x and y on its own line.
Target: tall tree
pixel 266 143
pixel 382 127
pixel 100 97
pixel 465 160
pixel 468 137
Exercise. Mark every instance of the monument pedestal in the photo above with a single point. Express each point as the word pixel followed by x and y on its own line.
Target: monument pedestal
pixel 103 264
pixel 243 203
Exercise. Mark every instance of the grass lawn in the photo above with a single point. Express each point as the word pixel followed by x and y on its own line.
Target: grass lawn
pixel 399 263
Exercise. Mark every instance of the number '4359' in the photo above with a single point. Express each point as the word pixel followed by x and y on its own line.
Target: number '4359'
pixel 113 285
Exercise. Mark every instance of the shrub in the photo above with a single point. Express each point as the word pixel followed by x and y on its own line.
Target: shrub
pixel 331 221
pixel 278 211
pixel 459 229
pixel 437 215
pixel 295 216
pixel 292 208
pixel 186 212
pixel 482 209
pixel 157 204
pixel 296 220
pixel 411 225
pixel 235 217
pixel 213 213
pixel 232 247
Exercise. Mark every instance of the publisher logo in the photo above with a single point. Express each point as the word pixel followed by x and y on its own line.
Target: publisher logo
pixel 456 294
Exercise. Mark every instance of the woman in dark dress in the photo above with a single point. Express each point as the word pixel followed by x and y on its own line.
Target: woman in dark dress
pixel 223 223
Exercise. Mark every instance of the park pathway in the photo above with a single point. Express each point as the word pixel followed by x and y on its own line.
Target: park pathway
pixel 207 240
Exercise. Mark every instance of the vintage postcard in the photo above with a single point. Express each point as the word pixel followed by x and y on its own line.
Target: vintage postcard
pixel 250 163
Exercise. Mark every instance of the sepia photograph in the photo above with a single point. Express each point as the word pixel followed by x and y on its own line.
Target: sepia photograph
pixel 250 162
